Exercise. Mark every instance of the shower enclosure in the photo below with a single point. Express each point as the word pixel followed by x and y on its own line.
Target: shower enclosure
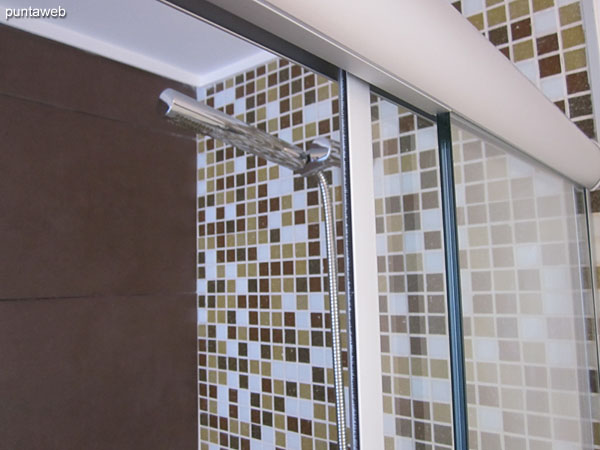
pixel 469 315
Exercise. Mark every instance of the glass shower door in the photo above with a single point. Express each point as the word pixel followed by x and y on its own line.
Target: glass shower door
pixel 530 338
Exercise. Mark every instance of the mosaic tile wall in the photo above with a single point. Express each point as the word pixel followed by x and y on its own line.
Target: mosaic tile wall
pixel 545 40
pixel 412 302
pixel 532 379
pixel 265 371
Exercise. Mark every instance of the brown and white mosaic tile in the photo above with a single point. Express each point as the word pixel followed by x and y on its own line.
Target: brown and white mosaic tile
pixel 265 372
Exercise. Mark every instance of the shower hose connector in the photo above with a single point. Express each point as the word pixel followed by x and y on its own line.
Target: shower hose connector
pixel 322 154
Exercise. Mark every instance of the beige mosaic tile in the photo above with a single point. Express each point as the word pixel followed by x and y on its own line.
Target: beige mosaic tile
pixel 416 386
pixel 527 305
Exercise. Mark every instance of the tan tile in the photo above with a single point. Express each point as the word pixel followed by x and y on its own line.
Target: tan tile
pixel 477 21
pixel 518 8
pixel 573 36
pixel 409 163
pixel 496 16
pixel 575 59
pixel 570 13
pixel 539 5
pixel 390 166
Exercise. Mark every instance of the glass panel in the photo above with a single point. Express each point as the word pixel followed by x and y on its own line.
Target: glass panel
pixel 265 377
pixel 527 302
pixel 412 301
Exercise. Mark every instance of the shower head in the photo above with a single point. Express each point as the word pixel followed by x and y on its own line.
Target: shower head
pixel 196 116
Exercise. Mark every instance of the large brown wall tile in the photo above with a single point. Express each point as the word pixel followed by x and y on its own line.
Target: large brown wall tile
pixel 91 206
pixel 53 73
pixel 99 373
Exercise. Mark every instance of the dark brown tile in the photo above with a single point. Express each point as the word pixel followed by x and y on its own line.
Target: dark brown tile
pixel 103 372
pixel 549 66
pixel 577 82
pixel 407 123
pixel 580 106
pixel 499 36
pixel 587 126
pixel 520 29
pixel 53 73
pixel 93 206
pixel 547 44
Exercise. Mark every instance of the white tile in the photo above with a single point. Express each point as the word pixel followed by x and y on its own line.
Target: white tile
pixel 315 302
pixel 561 353
pixel 300 233
pixel 287 235
pixel 437 347
pixel 426 139
pixel 299 200
pixel 413 241
pixel 230 212
pixel 440 391
pixel 434 261
pixel 431 220
pixel 305 409
pixel 272 110
pixel 553 87
pixel 556 278
pixel 201 188
pixel 419 388
pixel 241 285
pixel 241 316
pixel 239 106
pixel 231 270
pixel 221 331
pixel 201 160
pixel 392 185
pixel 470 7
pixel 485 349
pixel 253 350
pixel 240 164
pixel 264 253
pixel 305 373
pixel 210 213
pixel 324 110
pixel 399 345
pixel 310 113
pixel 411 182
pixel 529 68
pixel 544 22
pixel 489 419
pixel 303 320
pixel 233 379
pixel 275 220
pixel 388 113
pixel 527 256
pixel 532 328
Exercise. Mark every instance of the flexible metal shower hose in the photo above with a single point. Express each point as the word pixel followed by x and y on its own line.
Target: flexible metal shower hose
pixel 334 310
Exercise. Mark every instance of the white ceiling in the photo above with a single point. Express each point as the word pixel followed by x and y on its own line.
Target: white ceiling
pixel 143 33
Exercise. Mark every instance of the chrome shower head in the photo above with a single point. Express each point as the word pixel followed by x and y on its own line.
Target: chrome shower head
pixel 194 115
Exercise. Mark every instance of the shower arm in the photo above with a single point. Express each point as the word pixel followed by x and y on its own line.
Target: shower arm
pixel 322 154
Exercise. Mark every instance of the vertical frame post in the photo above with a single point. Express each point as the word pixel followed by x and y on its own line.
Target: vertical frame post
pixel 453 292
pixel 349 263
pixel 361 259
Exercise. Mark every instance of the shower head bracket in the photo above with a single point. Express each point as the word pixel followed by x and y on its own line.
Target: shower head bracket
pixel 322 154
